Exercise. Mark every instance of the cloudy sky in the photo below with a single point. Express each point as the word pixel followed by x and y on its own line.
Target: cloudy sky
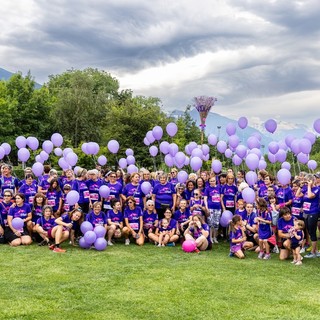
pixel 260 58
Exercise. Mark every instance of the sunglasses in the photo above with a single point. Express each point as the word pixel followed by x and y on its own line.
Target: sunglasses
pixel 112 176
pixel 130 201
pixel 7 195
pixel 196 194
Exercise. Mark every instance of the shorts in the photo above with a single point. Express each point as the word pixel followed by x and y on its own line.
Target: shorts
pixel 10 236
pixel 236 247
pixel 295 245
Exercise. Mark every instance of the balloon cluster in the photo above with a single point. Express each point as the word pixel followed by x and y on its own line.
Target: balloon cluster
pixel 92 236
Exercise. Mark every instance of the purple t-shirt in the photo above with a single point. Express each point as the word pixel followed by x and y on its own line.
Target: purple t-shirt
pixel 36 213
pixel 284 195
pixel 8 183
pixel 115 217
pixel 229 193
pixel 133 217
pixel 97 219
pixel 134 191
pixel 164 194
pixel 181 216
pixel 213 195
pixel 93 187
pixel 197 233
pixel 4 210
pixel 149 219
pixel 197 210
pixel 45 224
pixel 20 212
pixel 264 230
pixel 53 199
pixel 311 206
pixel 284 225
pixel 296 208
pixel 82 189
pixel 172 224
pixel 236 234
pixel 29 192
pixel 115 192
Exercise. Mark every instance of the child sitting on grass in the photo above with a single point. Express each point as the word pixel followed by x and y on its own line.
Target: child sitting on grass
pixel 237 237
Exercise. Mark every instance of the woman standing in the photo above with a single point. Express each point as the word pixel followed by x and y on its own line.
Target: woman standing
pixel 80 185
pixel 228 194
pixel 133 189
pixel 54 197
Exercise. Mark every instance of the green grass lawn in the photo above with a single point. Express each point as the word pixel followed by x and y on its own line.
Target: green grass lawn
pixel 130 282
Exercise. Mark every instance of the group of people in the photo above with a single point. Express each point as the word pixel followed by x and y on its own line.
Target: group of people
pixel 282 219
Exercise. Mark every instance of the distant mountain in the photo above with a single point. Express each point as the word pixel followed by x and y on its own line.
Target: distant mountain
pixel 6 75
pixel 216 124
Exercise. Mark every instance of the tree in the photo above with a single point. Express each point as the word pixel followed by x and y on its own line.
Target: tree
pixel 80 100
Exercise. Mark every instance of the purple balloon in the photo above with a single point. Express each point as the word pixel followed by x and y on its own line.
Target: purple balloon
pixel 150 136
pixel 295 146
pixel 303 158
pixel 271 125
pixel 23 154
pixel 305 146
pixel 226 217
pixel 312 164
pixel 58 152
pixel 173 149
pixel 131 160
pixel 192 145
pixel 44 155
pixel 113 146
pixel 90 237
pixel 84 148
pixel 187 162
pixel 222 146
pixel 39 159
pixel 216 166
pixel 2 152
pixel 132 168
pixel 241 151
pixel 284 176
pixel 21 142
pixel 102 160
pixel 169 160
pixel 182 176
pixel 83 244
pixel 257 135
pixel 122 163
pixel 212 139
pixel 146 141
pixel 33 143
pixel 129 152
pixel 289 139
pixel 273 147
pixel 206 157
pixel 17 223
pixel 242 122
pixel 196 163
pixel 164 147
pixel 146 187
pixel 272 158
pixel 100 244
pixel 153 150
pixel 310 136
pixel 262 164
pixel 197 153
pixel 76 169
pixel 100 231
pixel 104 191
pixel 71 158
pixel 47 146
pixel 286 165
pixel 316 125
pixel 252 161
pixel 236 160
pixel 282 145
pixel 6 147
pixel 92 148
pixel 180 158
pixel 57 139
pixel 253 142
pixel 231 129
pixel 86 226
pixel 256 151
pixel 205 149
pixel 281 156
pixel 72 197
pixel 157 132
pixel 37 169
pixel 248 195
pixel 187 150
pixel 171 129
pixel 234 141
pixel 63 164
pixel 228 153
pixel 66 151
pixel 251 178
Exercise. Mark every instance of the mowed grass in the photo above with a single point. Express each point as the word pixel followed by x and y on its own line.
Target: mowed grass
pixel 130 282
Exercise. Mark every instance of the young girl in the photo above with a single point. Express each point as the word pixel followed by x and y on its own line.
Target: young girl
pixel 241 211
pixel 44 224
pixel 182 216
pixel 197 205
pixel 237 237
pixel 163 233
pixel 297 235
pixel 264 228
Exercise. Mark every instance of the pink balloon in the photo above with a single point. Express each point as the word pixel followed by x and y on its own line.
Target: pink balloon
pixel 231 129
pixel 189 245
pixel 171 129
pixel 242 122
pixel 248 195
pixel 216 166
pixel 284 176
pixel 316 125
pixel 270 125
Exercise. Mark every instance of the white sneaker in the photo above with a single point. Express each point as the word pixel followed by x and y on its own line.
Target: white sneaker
pixel 303 250
pixel 275 249
pixel 110 243
pixel 215 240
pixel 159 245
pixel 127 242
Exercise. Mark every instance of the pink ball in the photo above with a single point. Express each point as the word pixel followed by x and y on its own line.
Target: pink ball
pixel 189 245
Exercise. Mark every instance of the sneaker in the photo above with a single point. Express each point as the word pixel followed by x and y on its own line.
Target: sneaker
pixel 303 250
pixel 52 246
pixel 267 256
pixel 294 261
pixel 214 240
pixel 43 243
pixel 318 254
pixel 159 245
pixel 275 249
pixel 171 244
pixel 260 255
pixel 59 250
pixel 310 255
pixel 231 254
pixel 298 263
pixel 309 249
pixel 110 243
pixel 127 242
pixel 196 250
